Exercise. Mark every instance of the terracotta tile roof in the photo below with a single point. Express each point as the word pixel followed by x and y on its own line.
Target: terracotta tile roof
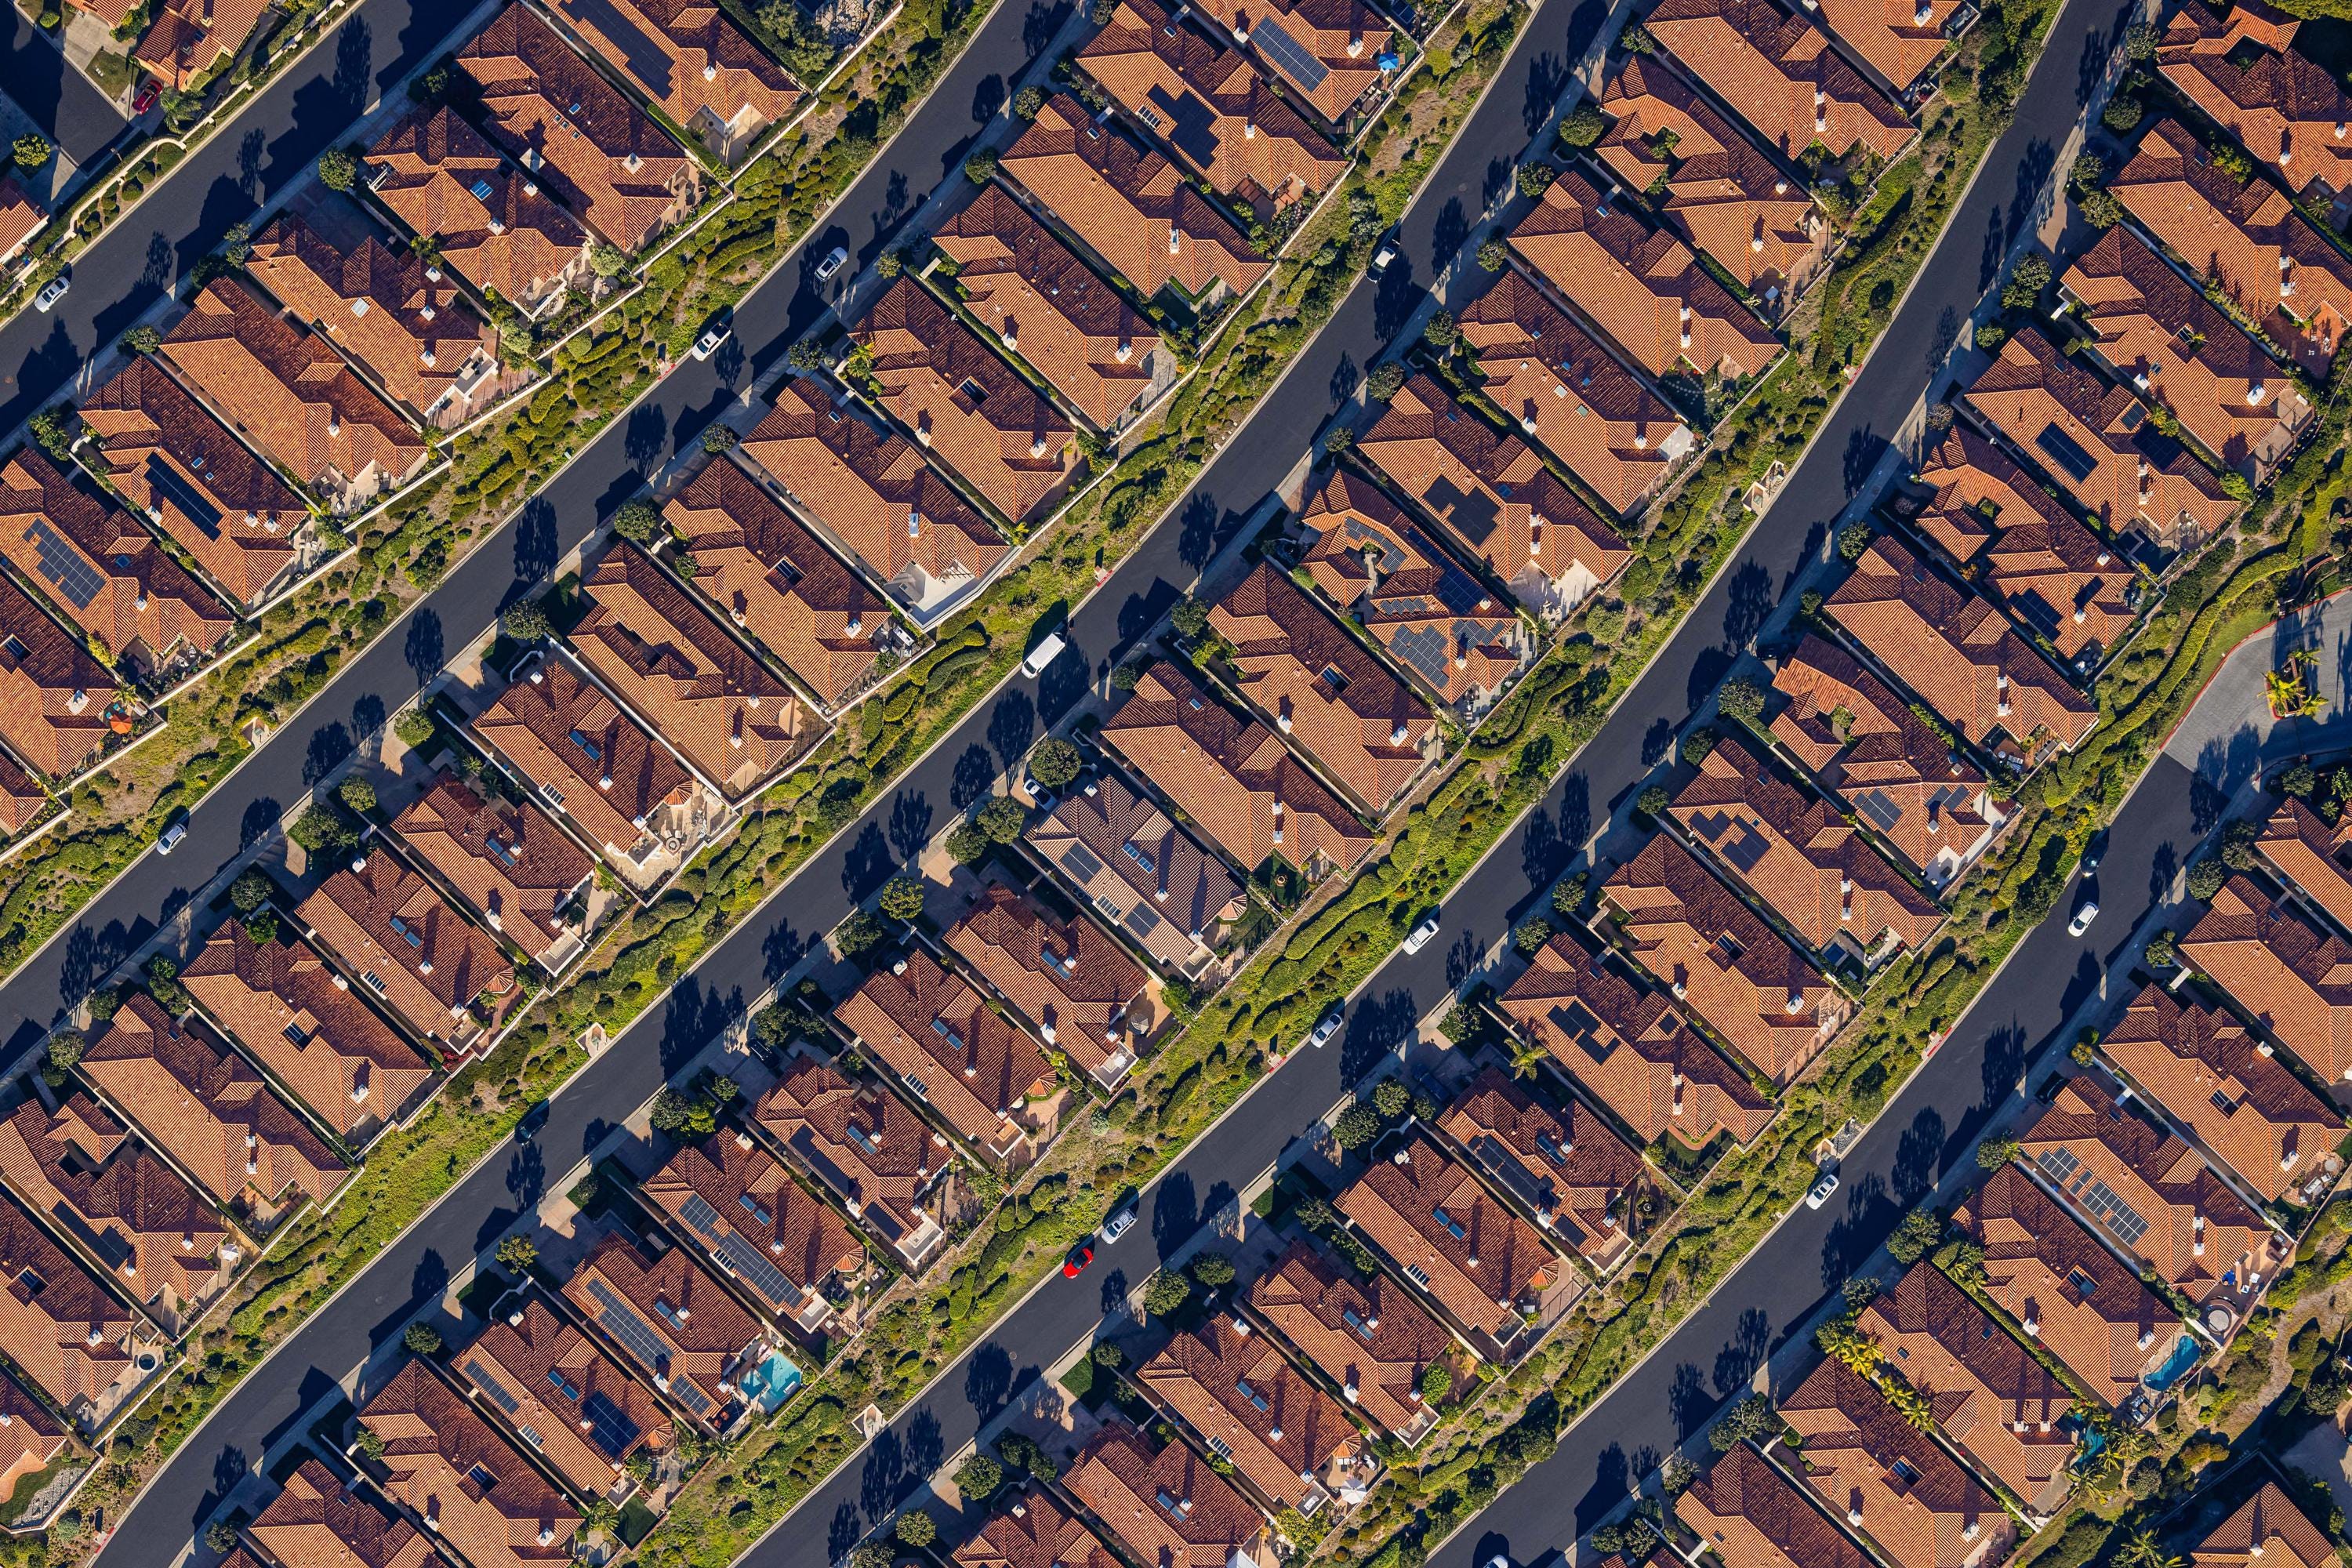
pixel 562 733
pixel 298 1017
pixel 2289 972
pixel 706 1339
pixel 1495 493
pixel 1736 972
pixel 2153 1195
pixel 1070 979
pixel 1567 1164
pixel 1913 1500
pixel 864 1142
pixel 428 962
pixel 690 58
pixel 1231 776
pixel 1209 104
pixel 319 1522
pixel 1033 291
pixel 1405 590
pixel 1123 853
pixel 201 1104
pixel 1724 195
pixel 1337 703
pixel 666 657
pixel 589 1416
pixel 958 1055
pixel 1032 1530
pixel 1989 1395
pixel 1957 653
pixel 2210 1074
pixel 1346 40
pixel 1234 1389
pixel 219 502
pixel 495 227
pixel 101 569
pixel 2011 535
pixel 188 37
pixel 2282 106
pixel 872 491
pixel 1632 1048
pixel 1899 39
pixel 1165 1505
pixel 21 217
pixel 33 1437
pixel 551 110
pixel 1748 1513
pixel 60 1327
pixel 2069 1293
pixel 1639 283
pixel 2316 859
pixel 2268 1531
pixel 393 311
pixel 1131 206
pixel 21 795
pixel 1867 748
pixel 1370 1336
pixel 1476 1257
pixel 135 1213
pixel 1778 71
pixel 2244 235
pixel 508 862
pixel 52 696
pixel 1570 392
pixel 731 1200
pixel 468 1485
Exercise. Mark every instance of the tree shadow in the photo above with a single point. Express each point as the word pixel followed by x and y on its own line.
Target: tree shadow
pixel 692 1017
pixel 974 777
pixel 1863 447
pixel 1012 725
pixel 1996 247
pixel 1737 1361
pixel 259 821
pixel 1196 537
pixel 1175 1213
pixel 867 863
pixel 1918 1156
pixel 330 745
pixel 526 1175
pixel 1690 1402
pixel 158 273
pixel 1448 233
pixel 2092 69
pixel 781 948
pixel 355 53
pixel 1547 75
pixel 1658 740
pixel 645 439
pixel 424 649
pixel 536 550
pixel 1748 603
pixel 910 824
pixel 1375 1025
pixel 987 96
pixel 1345 378
pixel 987 1380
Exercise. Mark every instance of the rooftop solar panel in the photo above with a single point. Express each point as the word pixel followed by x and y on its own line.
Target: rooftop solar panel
pixel 612 1431
pixel 1883 813
pixel 1288 55
pixel 637 1337
pixel 739 1255
pixel 1080 862
pixel 2066 452
pixel 488 1381
pixel 62 565
pixel 1142 920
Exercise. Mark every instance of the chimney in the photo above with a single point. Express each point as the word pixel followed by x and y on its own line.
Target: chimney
pixel 2286 276
pixel 1796 1002
pixel 710 73
pixel 2256 393
pixel 1278 822
pixel 2000 695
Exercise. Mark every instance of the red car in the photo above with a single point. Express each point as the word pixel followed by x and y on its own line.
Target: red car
pixel 1078 1259
pixel 146 99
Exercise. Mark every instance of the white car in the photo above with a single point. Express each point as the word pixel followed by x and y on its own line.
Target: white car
pixel 833 262
pixel 1119 1224
pixel 1822 1190
pixel 2083 919
pixel 51 292
pixel 1418 938
pixel 707 343
pixel 171 837
pixel 1043 654
pixel 1327 1025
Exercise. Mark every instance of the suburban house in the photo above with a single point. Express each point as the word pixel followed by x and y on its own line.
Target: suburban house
pixel 1287 1440
pixel 505 860
pixel 186 39
pixel 1070 980
pixel 545 1376
pixel 1747 1513
pixel 2311 857
pixel 2267 1532
pixel 1030 1529
pixel 1330 52
pixel 1369 1335
pixel 2292 975
pixel 1128 857
pixel 1563 1163
pixel 54 699
pixel 63 1330
pixel 320 1521
pixel 1163 1502
pixel 1896 38
pixel 866 1146
pixel 983 1075
pixel 736 1205
pixel 494 225
pixel 32 1438
pixel 444 976
pixel 693 63
pixel 2246 73
pixel 1780 72
pixel 680 1325
pixel 1919 1505
pixel 470 1489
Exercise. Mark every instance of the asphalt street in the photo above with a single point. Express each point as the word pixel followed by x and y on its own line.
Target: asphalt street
pixel 54 95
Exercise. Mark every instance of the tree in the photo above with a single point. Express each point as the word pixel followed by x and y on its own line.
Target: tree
pixel 1001 818
pixel 1750 1418
pixel 981 167
pixel 1652 801
pixel 221 1535
pixel 1965 1263
pixel 1995 1152
pixel 323 830
pixel 2206 878
pixel 902 898
pixel 1493 255
pixel 518 1254
pixel 916 1528
pixel 250 890
pixel 636 520
pixel 1916 1236
pixel 1028 101
pixel 1339 439
pixel 356 793
pixel 607 260
pixel 422 1338
pixel 1190 616
pixel 2026 281
pixel 859 933
pixel 2086 171
pixel 967 845
pixel 1852 540
pixel 2139 43
pixel 2099 209
pixel 1167 1292
pixel 1531 933
pixel 369 1441
pixel 869 1554
pixel 671 1110
pixel 1436 1381
pixel 2122 114
pixel 807 354
pixel 1535 178
pixel 1385 381
pixel 1391 1100
pixel 977 1478
pixel 1568 896
pixel 2237 842
pixel 1127 676
pixel 1054 763
pixel 143 340
pixel 1698 745
pixel 2163 950
pixel 1635 39
pixel 524 621
pixel 338 170
pixel 1108 1355
pixel 2145 1549
pixel 67 1047
pixel 2300 780
pixel 1742 699
pixel 414 726
pixel 1441 330
pixel 1842 1341
pixel 1356 1126
pixel 1585 127
pixel 718 440
pixel 1213 1269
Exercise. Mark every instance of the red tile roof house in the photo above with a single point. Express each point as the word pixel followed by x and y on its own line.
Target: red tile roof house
pixel 2065 1290
pixel 1638 283
pixel 1747 981
pixel 1123 854
pixel 543 1375
pixel 1801 860
pixel 1102 354
pixel 222 505
pixel 1959 655
pixel 1439 623
pixel 1287 1440
pixel 1030 1529
pixel 1070 980
pixel 318 1521
pixel 2151 327
pixel 985 1077
pixel 105 572
pixel 21 217
pixel 32 1436
pixel 22 799
pixel 495 227
pixel 1572 396
pixel 166 1247
pixel 1294 665
pixel 870 491
pixel 188 37
pixel 1550 549
pixel 2291 974
pixel 946 387
pixel 866 1146
pixel 1487 1270
pixel 1228 123
pixel 208 1111
pixel 1748 1513
pixel 505 860
pixel 1231 776
pixel 1331 52
pixel 63 1330
pixel 678 1325
pixel 2312 858
pixel 2241 1103
pixel 54 696
pixel 2153 1195
pixel 1566 1167
pixel 1131 208
pixel 1164 1503
pixel 1863 743
pixel 681 672
pixel 556 115
pixel 1915 1502
pixel 1780 73
pixel 692 62
pixel 466 1485
pixel 1369 1336
pixel 1899 40
pixel 1724 194
pixel 1631 1048
pixel 735 1205
pixel 446 977
pixel 2267 1532
pixel 2282 106
pixel 1999 1406
pixel 2246 235
pixel 299 1018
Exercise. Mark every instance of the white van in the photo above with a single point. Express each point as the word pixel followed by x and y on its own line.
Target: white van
pixel 1043 654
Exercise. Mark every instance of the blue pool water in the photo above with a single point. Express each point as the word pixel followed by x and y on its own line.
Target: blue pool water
pixel 772 1382
pixel 2184 1356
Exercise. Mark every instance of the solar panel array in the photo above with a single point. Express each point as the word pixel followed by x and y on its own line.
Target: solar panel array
pixel 2103 1202
pixel 613 1432
pixel 2066 452
pixel 1289 55
pixel 499 1394
pixel 750 1265
pixel 1081 863
pixel 637 1337
pixel 63 566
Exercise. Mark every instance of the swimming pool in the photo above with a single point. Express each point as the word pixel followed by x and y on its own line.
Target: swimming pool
pixel 772 1382
pixel 2184 1355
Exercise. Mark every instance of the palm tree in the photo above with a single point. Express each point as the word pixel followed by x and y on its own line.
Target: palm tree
pixel 1525 1056
pixel 2145 1549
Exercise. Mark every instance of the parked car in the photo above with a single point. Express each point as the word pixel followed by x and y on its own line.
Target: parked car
pixel 1080 1256
pixel 707 343
pixel 837 257
pixel 2084 915
pixel 149 92
pixel 51 292
pixel 1329 1025
pixel 1418 937
pixel 172 835
pixel 1043 654
pixel 1822 1190
pixel 1121 1221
